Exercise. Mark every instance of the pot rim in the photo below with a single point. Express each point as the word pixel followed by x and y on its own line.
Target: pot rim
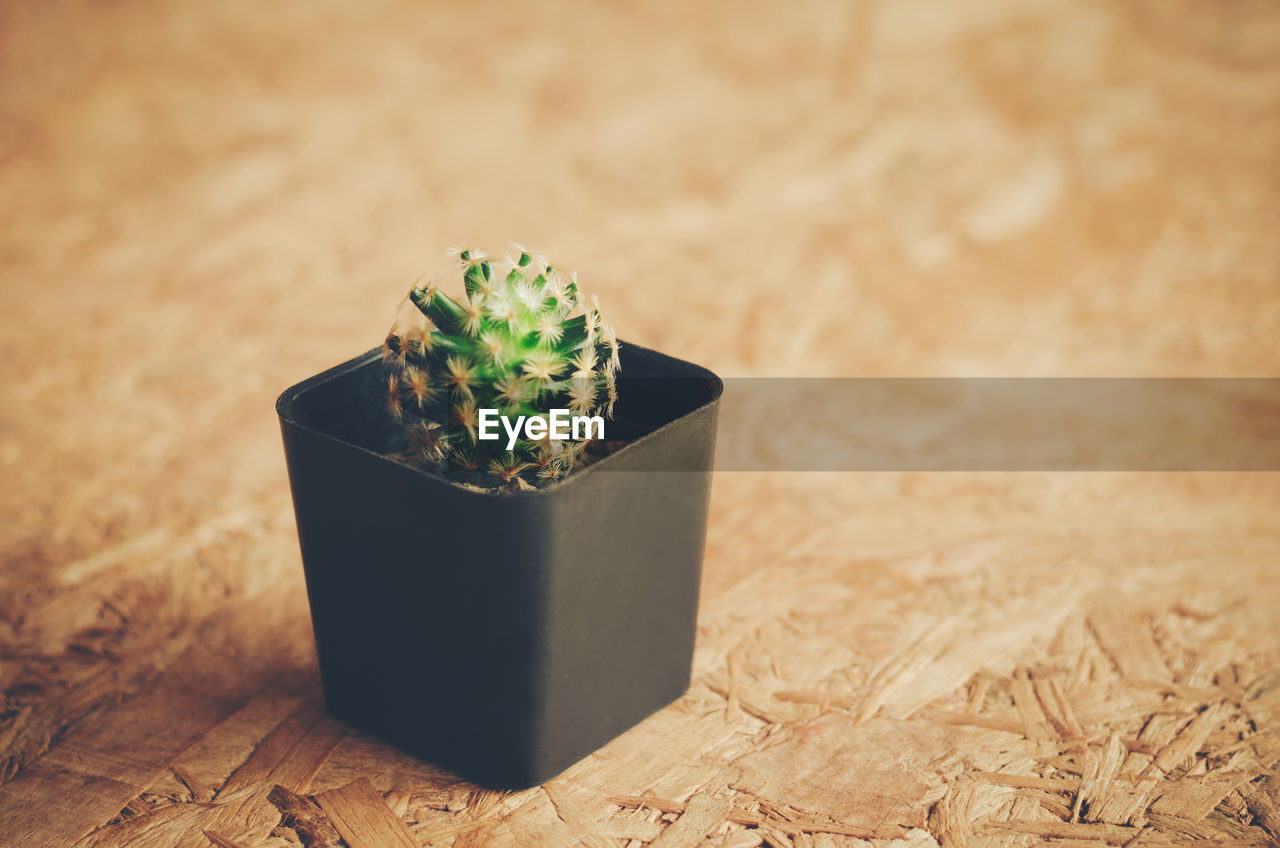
pixel 287 398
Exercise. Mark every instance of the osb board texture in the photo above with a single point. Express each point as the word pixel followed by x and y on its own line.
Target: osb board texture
pixel 206 202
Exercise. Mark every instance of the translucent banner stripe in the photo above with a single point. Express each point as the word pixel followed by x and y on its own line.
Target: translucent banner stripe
pixel 996 424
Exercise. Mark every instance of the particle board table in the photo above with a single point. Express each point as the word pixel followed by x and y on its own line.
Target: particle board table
pixel 208 202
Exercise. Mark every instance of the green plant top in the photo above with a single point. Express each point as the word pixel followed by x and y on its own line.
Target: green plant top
pixel 523 342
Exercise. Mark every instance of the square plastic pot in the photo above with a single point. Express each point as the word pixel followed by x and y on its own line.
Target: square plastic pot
pixel 502 636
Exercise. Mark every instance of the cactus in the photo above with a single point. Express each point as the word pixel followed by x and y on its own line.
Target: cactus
pixel 521 341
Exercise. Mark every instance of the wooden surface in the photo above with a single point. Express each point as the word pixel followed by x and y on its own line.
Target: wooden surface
pixel 207 202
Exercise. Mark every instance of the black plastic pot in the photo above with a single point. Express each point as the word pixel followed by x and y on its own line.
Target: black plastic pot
pixel 502 636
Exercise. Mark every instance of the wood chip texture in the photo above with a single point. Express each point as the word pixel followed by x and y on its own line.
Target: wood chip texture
pixel 208 202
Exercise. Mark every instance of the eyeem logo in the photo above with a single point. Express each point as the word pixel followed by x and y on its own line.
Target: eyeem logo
pixel 559 425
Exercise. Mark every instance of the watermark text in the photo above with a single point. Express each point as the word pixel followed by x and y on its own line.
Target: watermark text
pixel 559 425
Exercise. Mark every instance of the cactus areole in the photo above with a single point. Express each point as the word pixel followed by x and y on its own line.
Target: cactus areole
pixel 506 386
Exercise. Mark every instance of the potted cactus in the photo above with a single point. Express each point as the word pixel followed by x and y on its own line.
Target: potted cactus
pixel 502 606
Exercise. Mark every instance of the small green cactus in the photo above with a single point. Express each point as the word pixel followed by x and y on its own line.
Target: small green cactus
pixel 522 342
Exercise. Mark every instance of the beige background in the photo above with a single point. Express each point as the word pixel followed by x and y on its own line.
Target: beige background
pixel 206 202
